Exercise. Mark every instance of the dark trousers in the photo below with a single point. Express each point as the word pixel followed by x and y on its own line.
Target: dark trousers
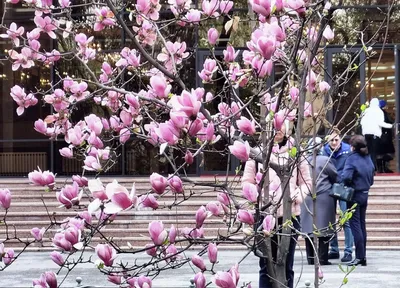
pixel 323 250
pixel 357 223
pixel 372 144
pixel 265 281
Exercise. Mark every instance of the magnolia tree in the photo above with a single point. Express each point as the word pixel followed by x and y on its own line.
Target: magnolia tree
pixel 178 120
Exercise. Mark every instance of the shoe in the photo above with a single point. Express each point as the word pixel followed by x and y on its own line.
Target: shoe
pixel 355 262
pixel 333 255
pixel 346 258
pixel 325 263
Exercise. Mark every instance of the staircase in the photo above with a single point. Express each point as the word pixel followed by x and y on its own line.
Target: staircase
pixel 27 211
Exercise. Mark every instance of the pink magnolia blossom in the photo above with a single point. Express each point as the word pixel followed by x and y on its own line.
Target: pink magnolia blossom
pixel 80 180
pixel 250 192
pixel 106 253
pixel 279 119
pixel 172 234
pixel 64 3
pixel 151 250
pixel 245 217
pixel 324 86
pixel 41 126
pixel 129 58
pixel 209 67
pixel 58 100
pixel 157 232
pixel 214 208
pixel 201 215
pixel 45 25
pixel 38 233
pixel 296 5
pixel 266 46
pixel 176 184
pixel 262 67
pixel 176 50
pixel 200 280
pixel 14 32
pixel 320 273
pixel 246 126
pixel 189 157
pixel 225 6
pixel 224 280
pixel 83 41
pixel 144 282
pixel 39 178
pixel 168 133
pixel 47 280
pixel 50 57
pixel 230 54
pixel 92 163
pixel 210 7
pixel 212 253
pixel 188 103
pixel 94 124
pixel 307 109
pixel 23 101
pixel 158 183
pixel 262 7
pixel 148 201
pixel 115 279
pixel 121 198
pixel 193 16
pixel 328 33
pixel 124 135
pixel 76 135
pixel 8 256
pixel 146 34
pixel 5 198
pixel 57 258
pixel 240 150
pixel 268 223
pixel 195 127
pixel 294 94
pixel 69 195
pixel 104 18
pixel 79 91
pixel 149 9
pixel 213 36
pixel 97 189
pixel 223 199
pixel 159 86
pixel 198 262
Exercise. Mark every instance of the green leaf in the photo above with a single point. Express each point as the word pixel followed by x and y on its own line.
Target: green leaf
pixel 293 152
pixel 363 107
pixel 237 170
pixel 341 268
pixel 345 280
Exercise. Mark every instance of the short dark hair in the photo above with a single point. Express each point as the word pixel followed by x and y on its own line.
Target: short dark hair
pixel 359 144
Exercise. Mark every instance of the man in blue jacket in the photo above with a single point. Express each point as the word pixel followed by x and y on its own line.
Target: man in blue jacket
pixel 339 151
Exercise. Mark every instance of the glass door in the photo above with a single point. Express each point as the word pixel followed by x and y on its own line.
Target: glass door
pixel 380 84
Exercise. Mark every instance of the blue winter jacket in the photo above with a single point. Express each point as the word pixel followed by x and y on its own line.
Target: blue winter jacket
pixel 358 172
pixel 338 157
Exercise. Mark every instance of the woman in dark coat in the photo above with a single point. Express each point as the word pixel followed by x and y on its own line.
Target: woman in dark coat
pixel 358 173
pixel 385 149
pixel 326 210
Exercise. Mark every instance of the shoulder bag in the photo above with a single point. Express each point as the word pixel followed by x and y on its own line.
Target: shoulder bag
pixel 341 192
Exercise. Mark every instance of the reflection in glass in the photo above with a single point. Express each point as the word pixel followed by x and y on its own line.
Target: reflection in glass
pixel 346 98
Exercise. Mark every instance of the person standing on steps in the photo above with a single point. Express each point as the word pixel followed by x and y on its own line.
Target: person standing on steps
pixel 385 151
pixel 372 123
pixel 358 173
pixel 338 151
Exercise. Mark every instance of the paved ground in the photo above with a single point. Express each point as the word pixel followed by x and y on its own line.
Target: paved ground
pixel 383 271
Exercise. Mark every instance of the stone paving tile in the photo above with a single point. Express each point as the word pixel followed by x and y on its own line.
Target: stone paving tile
pixel 383 271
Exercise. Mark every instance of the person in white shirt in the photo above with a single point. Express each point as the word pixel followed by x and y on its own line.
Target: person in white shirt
pixel 372 122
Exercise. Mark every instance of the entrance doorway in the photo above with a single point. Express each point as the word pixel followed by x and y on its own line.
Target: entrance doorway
pixel 375 77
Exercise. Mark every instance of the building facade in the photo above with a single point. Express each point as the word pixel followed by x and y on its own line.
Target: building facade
pixel 22 149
